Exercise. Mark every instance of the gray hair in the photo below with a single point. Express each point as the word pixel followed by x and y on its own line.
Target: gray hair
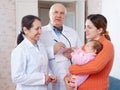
pixel 51 8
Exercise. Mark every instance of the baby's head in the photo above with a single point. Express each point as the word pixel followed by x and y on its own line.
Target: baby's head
pixel 93 46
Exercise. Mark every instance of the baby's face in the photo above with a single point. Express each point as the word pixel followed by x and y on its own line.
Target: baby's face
pixel 89 47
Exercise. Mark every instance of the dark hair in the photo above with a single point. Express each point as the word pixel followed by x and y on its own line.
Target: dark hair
pixel 27 22
pixel 97 45
pixel 99 21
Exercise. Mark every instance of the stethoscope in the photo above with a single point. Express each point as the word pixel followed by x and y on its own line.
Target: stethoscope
pixel 59 32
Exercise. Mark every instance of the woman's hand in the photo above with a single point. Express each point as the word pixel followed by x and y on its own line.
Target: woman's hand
pixel 47 79
pixel 53 78
pixel 67 84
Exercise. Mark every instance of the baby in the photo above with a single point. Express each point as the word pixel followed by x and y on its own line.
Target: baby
pixel 80 57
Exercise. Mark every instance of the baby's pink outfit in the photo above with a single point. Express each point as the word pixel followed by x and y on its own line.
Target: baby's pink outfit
pixel 80 58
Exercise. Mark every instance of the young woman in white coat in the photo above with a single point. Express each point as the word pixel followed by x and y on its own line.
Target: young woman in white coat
pixel 29 62
pixel 57 37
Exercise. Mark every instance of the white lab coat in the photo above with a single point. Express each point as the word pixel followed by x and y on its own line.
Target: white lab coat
pixel 58 63
pixel 29 64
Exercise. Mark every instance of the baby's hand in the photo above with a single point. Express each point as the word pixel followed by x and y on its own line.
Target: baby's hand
pixel 75 48
pixel 72 53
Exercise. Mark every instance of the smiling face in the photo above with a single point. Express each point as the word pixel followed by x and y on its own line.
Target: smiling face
pixel 33 34
pixel 92 33
pixel 57 15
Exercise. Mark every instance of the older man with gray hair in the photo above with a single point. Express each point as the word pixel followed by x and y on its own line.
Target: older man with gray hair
pixel 58 40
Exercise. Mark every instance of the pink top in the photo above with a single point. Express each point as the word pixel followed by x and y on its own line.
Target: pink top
pixel 80 57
